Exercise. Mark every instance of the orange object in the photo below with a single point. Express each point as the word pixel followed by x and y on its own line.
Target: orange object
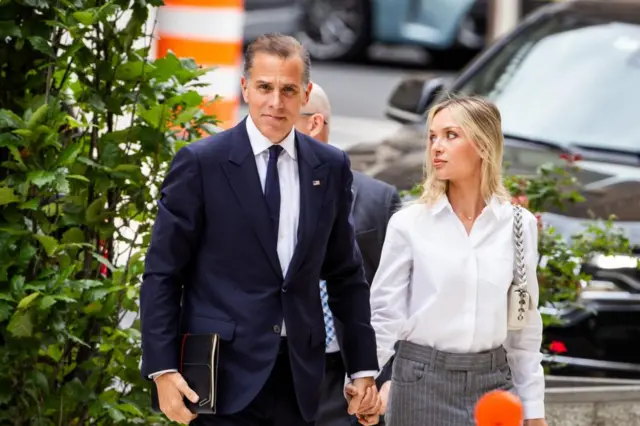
pixel 499 408
pixel 211 32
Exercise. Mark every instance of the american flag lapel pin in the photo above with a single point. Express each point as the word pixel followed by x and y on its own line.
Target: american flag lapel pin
pixel 316 183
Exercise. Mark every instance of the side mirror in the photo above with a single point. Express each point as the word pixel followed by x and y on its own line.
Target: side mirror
pixel 412 98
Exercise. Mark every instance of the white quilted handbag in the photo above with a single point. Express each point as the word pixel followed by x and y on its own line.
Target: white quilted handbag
pixel 518 298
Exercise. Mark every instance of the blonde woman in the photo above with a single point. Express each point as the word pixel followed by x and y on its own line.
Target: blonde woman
pixel 441 288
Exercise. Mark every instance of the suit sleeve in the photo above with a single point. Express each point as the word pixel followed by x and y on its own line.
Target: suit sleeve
pixel 174 241
pixel 346 284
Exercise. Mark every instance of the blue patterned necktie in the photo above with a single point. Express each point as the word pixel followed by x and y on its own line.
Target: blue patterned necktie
pixel 272 187
pixel 328 317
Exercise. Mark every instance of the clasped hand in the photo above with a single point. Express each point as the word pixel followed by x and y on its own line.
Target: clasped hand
pixel 364 401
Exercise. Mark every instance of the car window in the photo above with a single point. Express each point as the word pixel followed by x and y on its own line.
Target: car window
pixel 568 79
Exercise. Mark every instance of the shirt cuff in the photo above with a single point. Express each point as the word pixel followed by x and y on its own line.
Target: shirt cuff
pixel 533 409
pixel 160 373
pixel 361 374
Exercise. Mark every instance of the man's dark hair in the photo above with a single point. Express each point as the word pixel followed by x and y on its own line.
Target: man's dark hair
pixel 280 45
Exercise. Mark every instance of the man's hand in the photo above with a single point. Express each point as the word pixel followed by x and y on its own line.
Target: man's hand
pixel 364 402
pixel 535 422
pixel 171 389
pixel 384 396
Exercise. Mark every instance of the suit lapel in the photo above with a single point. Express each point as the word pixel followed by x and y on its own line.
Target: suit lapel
pixel 242 173
pixel 313 185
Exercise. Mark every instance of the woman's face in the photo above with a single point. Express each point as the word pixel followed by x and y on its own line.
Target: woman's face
pixel 453 155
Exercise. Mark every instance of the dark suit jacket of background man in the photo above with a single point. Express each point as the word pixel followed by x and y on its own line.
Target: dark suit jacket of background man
pixel 212 233
pixel 374 202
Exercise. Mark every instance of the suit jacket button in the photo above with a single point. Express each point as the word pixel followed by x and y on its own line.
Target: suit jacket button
pixel 284 288
pixel 276 329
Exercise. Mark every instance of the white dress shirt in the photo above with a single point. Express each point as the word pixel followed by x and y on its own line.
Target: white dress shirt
pixel 441 287
pixel 289 190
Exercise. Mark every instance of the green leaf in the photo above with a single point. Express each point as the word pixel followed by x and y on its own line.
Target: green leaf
pixel 26 253
pixel 132 70
pixel 78 177
pixel 54 353
pixel 95 208
pixel 116 415
pixel 10 140
pixel 38 116
pixel 7 196
pixel 25 133
pixel 30 205
pixel 156 116
pixel 187 115
pixel 50 209
pixel 48 243
pixel 75 338
pixel 17 157
pixel 41 45
pixel 9 119
pixel 70 154
pixel 5 311
pixel 127 168
pixel 84 17
pixel 131 409
pixel 17 283
pixel 104 261
pixel 41 178
pixel 93 308
pixel 188 99
pixel 26 301
pixel 61 184
pixel 21 324
pixel 46 302
pixel 73 235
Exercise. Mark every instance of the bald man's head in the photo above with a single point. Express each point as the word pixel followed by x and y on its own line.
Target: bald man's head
pixel 319 102
pixel 316 115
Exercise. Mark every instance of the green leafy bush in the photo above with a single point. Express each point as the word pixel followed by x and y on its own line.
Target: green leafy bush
pixel 560 270
pixel 88 127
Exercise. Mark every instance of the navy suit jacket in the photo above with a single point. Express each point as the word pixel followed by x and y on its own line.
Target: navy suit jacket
pixel 212 267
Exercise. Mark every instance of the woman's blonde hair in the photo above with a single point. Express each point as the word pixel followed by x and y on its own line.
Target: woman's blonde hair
pixel 481 122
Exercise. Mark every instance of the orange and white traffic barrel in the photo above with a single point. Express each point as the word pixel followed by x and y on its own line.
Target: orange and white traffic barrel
pixel 211 32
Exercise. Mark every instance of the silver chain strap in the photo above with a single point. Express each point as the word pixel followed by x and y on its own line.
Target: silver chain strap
pixel 520 277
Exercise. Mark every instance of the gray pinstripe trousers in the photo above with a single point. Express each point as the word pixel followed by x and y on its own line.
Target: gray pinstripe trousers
pixel 435 388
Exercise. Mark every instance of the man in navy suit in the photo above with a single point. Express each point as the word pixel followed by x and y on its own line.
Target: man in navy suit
pixel 249 220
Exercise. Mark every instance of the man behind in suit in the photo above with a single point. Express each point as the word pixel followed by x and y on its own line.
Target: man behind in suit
pixel 249 221
pixel 374 203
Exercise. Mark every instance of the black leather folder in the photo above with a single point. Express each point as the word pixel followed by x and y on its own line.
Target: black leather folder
pixel 199 367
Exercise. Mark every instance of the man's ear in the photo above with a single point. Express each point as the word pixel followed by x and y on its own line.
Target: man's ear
pixel 317 125
pixel 307 92
pixel 243 85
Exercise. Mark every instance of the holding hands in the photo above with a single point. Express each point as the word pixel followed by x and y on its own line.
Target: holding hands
pixel 365 401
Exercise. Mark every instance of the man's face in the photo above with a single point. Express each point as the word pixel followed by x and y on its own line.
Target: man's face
pixel 275 93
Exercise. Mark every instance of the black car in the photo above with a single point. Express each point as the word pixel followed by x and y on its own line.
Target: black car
pixel 566 80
